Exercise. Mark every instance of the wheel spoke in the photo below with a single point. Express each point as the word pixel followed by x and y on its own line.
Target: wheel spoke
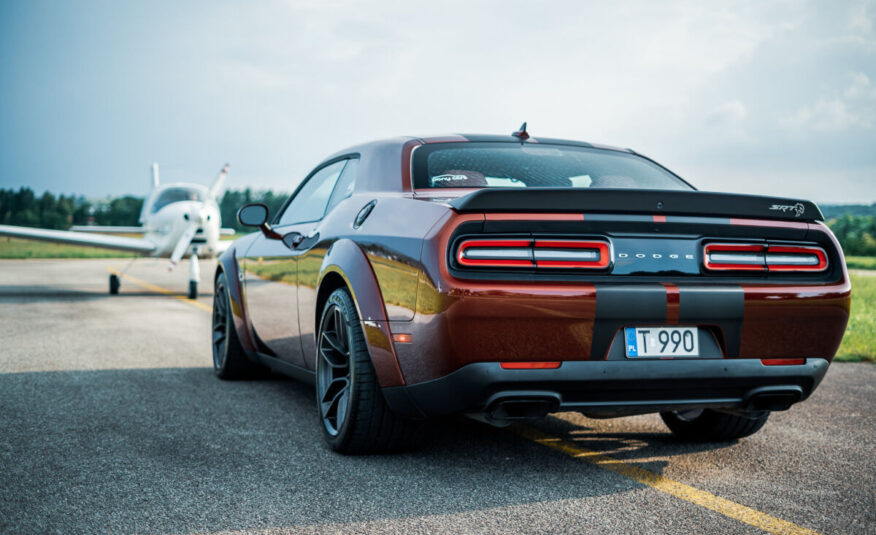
pixel 340 328
pixel 218 335
pixel 339 355
pixel 334 384
pixel 332 397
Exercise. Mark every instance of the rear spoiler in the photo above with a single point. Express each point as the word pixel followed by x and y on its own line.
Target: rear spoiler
pixel 657 202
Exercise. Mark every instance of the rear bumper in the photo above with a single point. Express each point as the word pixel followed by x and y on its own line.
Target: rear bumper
pixel 610 388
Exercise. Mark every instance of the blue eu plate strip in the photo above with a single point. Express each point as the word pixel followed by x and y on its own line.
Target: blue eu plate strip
pixel 632 347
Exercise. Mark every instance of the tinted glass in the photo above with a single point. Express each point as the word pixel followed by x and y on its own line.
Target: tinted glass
pixel 310 201
pixel 345 185
pixel 172 195
pixel 514 165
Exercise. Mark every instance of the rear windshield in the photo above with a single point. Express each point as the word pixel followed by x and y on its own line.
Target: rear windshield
pixel 515 165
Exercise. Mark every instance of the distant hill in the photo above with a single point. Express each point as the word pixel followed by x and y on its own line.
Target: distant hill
pixel 833 211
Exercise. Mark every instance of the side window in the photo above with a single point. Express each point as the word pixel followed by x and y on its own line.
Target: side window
pixel 310 201
pixel 345 184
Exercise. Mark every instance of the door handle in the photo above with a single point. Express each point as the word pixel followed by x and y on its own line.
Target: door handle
pixel 293 239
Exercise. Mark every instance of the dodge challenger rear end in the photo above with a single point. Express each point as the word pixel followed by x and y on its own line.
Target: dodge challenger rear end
pixel 517 277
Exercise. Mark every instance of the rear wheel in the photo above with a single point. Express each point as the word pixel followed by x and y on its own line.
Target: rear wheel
pixel 353 414
pixel 705 425
pixel 114 284
pixel 229 357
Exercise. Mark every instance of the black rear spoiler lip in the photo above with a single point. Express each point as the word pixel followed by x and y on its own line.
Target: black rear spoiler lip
pixel 655 202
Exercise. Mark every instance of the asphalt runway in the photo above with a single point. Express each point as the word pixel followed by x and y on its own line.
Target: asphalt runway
pixel 111 421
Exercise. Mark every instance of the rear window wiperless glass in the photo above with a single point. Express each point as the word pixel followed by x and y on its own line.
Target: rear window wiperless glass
pixel 529 165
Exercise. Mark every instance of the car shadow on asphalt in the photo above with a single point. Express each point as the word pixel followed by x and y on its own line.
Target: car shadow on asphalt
pixel 176 449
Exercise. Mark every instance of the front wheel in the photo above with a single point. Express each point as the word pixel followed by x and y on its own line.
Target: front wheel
pixel 229 357
pixel 353 414
pixel 705 425
pixel 193 290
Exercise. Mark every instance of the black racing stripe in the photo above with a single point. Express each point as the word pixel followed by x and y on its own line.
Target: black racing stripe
pixel 624 305
pixel 723 306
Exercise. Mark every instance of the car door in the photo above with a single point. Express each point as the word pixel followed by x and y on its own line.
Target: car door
pixel 271 267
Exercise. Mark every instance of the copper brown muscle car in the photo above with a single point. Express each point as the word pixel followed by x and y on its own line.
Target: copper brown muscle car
pixel 509 277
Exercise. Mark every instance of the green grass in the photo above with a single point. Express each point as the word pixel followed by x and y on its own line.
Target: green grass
pixel 861 262
pixel 14 248
pixel 859 342
pixel 18 249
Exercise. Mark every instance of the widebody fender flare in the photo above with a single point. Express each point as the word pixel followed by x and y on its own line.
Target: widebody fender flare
pixel 228 264
pixel 345 259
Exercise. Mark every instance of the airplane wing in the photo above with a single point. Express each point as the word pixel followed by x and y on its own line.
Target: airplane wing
pixel 107 229
pixel 121 243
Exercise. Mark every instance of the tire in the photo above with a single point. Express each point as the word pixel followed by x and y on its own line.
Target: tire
pixel 114 284
pixel 712 426
pixel 229 357
pixel 353 415
pixel 193 290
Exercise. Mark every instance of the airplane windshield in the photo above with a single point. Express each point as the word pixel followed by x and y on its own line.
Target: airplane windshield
pixel 172 195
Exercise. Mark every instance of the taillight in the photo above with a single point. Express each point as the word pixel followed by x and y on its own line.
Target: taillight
pixel 495 253
pixel 534 253
pixel 734 257
pixel 572 254
pixel 795 258
pixel 763 257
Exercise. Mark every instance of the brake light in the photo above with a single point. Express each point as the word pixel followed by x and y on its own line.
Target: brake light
pixel 534 253
pixel 734 257
pixel 495 253
pixel 763 257
pixel 795 258
pixel 572 254
pixel 530 365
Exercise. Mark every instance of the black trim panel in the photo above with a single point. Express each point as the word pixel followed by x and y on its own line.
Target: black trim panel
pixel 621 305
pixel 722 306
pixel 657 202
pixel 611 387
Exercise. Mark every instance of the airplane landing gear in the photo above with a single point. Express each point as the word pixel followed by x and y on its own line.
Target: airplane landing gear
pixel 194 275
pixel 114 284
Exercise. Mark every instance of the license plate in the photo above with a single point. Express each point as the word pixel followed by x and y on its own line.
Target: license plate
pixel 661 342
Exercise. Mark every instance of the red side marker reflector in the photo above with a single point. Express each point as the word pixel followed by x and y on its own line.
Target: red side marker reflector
pixel 402 338
pixel 782 362
pixel 660 219
pixel 530 365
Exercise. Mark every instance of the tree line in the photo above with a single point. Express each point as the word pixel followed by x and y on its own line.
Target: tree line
pixel 854 225
pixel 23 207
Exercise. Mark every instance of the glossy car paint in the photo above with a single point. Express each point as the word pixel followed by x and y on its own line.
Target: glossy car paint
pixel 398 266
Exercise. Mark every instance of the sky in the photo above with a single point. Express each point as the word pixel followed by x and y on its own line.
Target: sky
pixel 773 98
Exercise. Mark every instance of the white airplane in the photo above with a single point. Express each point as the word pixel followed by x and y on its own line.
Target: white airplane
pixel 177 220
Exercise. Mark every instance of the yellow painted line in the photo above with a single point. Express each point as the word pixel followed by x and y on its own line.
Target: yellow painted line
pixel 161 290
pixel 690 494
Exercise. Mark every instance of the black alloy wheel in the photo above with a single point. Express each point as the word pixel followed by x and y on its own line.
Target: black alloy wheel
pixel 229 358
pixel 352 410
pixel 334 376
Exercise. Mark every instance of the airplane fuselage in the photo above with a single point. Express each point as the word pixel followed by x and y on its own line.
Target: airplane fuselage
pixel 166 226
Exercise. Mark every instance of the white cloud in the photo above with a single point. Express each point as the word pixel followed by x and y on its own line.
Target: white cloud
pixel 855 107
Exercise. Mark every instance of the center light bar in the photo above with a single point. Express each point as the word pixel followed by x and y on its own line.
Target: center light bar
pixel 763 257
pixel 534 253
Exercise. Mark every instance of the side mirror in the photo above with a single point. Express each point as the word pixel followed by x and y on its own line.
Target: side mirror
pixel 256 215
pixel 253 215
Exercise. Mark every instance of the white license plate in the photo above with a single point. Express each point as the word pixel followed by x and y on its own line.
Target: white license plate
pixel 661 342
